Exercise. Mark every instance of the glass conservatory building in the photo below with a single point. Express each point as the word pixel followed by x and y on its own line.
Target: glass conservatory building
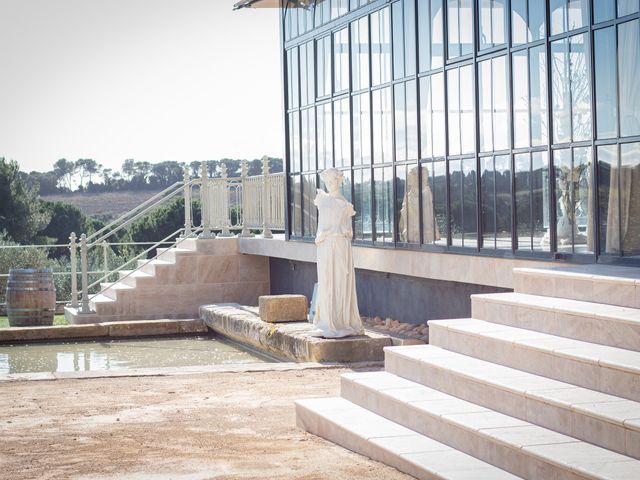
pixel 487 127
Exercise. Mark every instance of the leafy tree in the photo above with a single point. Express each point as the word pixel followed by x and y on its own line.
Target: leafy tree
pixel 17 258
pixel 65 218
pixel 21 215
pixel 64 171
pixel 129 168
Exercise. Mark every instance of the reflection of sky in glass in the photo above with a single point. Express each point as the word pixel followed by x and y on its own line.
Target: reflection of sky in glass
pixel 121 355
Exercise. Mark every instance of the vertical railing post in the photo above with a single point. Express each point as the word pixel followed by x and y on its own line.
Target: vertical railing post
pixel 74 270
pixel 226 204
pixel 266 232
pixel 244 173
pixel 186 178
pixel 105 257
pixel 85 274
pixel 205 201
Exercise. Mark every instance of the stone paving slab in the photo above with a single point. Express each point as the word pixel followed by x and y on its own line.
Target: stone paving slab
pixel 291 340
pixel 138 328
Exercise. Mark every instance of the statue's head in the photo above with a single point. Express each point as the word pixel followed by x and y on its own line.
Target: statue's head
pixel 332 178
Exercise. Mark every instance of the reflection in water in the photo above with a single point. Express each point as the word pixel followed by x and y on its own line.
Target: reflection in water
pixel 122 355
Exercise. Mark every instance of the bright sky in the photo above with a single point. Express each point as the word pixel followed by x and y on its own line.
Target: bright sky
pixel 150 80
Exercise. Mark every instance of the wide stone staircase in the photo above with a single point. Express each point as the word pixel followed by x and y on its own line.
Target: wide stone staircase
pixel 542 383
pixel 178 281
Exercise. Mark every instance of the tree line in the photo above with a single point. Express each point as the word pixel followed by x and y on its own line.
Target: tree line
pixel 87 175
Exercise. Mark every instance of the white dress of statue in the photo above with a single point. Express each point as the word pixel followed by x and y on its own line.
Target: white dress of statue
pixel 337 312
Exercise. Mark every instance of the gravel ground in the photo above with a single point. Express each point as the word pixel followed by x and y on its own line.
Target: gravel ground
pixel 187 427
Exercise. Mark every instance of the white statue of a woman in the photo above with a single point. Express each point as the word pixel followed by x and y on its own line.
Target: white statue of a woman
pixel 337 312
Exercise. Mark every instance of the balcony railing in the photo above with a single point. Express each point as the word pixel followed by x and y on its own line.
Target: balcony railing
pixel 245 205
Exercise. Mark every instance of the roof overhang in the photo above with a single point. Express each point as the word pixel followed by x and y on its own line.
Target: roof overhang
pixel 274 3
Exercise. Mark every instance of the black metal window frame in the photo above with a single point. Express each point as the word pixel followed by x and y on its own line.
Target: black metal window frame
pixel 506 49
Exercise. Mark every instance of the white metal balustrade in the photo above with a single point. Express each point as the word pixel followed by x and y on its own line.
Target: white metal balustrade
pixel 229 205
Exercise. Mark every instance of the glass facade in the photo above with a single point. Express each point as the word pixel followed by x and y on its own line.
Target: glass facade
pixel 476 126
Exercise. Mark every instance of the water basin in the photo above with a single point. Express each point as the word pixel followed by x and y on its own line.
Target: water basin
pixel 123 354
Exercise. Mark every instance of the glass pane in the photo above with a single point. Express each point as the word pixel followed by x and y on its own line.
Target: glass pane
pixel 323 67
pixel 606 84
pixel 608 195
pixel 467 111
pixel 630 198
pixel 409 37
pixel 629 64
pixel 292 80
pixel 399 101
pixel 341 140
pixel 360 53
pixel 308 133
pixel 361 129
pixel 523 201
pixel 603 10
pixel 453 109
pixel 521 103
pixel 527 21
pixel 339 8
pixel 412 120
pixel 538 92
pixel 383 192
pixel 493 104
pixel 382 125
pixel 456 192
pixel 341 60
pixel 295 206
pixel 580 89
pixel 460 31
pixel 430 35
pixel 568 15
pixel 487 179
pixel 573 196
pixel 540 200
pixel 561 91
pixel 627 7
pixel 407 208
pixel 325 136
pixel 380 47
pixel 432 129
pixel 294 141
pixel 503 201
pixel 492 23
pixel 309 210
pixel 362 204
pixel 469 212
pixel 398 40
pixel 434 204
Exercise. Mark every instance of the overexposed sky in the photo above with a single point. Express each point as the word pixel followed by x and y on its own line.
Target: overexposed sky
pixel 151 80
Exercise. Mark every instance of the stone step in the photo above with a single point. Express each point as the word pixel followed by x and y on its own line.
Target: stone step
pixel 170 254
pixel 598 418
pixel 519 447
pixel 597 367
pixel 103 305
pixel 111 289
pixel 136 278
pixel 366 433
pixel 593 283
pixel 591 322
pixel 149 266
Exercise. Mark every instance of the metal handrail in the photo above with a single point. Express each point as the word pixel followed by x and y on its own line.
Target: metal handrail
pixel 138 215
pixel 137 269
pixel 143 204
pixel 137 257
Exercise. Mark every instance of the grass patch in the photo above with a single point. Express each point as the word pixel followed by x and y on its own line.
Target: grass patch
pixel 57 320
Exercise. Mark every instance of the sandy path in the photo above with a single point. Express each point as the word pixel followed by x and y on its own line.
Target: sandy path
pixel 188 427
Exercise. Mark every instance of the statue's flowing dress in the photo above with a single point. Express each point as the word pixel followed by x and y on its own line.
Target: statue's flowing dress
pixel 337 312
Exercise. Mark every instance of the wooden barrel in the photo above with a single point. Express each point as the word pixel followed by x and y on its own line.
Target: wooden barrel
pixel 31 297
